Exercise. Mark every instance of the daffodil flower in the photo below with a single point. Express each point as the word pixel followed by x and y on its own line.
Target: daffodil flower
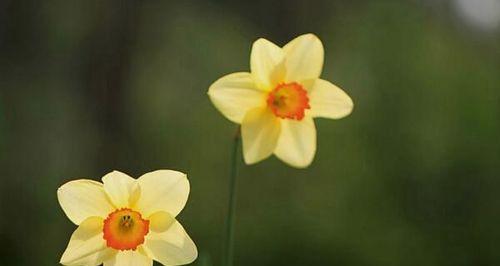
pixel 126 221
pixel 276 103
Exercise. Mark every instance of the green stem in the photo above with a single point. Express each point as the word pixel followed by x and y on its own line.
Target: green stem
pixel 229 243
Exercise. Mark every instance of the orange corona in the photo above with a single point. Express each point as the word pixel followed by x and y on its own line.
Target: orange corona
pixel 288 100
pixel 124 229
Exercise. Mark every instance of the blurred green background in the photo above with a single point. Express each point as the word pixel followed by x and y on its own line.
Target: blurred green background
pixel 412 177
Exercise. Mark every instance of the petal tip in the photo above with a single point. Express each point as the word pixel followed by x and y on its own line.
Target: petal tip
pixel 253 160
pixel 311 35
pixel 249 161
pixel 298 165
pixel 260 40
pixel 61 261
pixel 301 166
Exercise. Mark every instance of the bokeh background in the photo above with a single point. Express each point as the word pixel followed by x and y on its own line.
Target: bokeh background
pixel 412 177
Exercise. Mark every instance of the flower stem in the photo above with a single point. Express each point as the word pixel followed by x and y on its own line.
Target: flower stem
pixel 229 243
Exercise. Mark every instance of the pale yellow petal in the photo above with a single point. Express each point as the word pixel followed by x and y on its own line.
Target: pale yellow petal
pixel 329 101
pixel 297 142
pixel 267 64
pixel 233 95
pixel 120 188
pixel 160 221
pixel 83 198
pixel 304 58
pixel 162 190
pixel 97 259
pixel 172 247
pixel 129 258
pixel 260 130
pixel 87 246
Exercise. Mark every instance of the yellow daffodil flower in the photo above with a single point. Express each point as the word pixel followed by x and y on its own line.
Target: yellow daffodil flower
pixel 126 221
pixel 276 103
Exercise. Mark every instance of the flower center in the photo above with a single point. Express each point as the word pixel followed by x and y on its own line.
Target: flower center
pixel 124 229
pixel 288 100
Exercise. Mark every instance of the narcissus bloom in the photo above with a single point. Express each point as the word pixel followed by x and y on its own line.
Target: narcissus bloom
pixel 276 103
pixel 124 221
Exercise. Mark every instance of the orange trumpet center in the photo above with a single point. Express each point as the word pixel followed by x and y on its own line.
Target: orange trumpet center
pixel 288 100
pixel 124 229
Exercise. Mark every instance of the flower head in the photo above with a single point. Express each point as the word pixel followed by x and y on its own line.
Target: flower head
pixel 126 221
pixel 276 103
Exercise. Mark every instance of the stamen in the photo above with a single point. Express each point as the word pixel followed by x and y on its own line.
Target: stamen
pixel 288 100
pixel 124 229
